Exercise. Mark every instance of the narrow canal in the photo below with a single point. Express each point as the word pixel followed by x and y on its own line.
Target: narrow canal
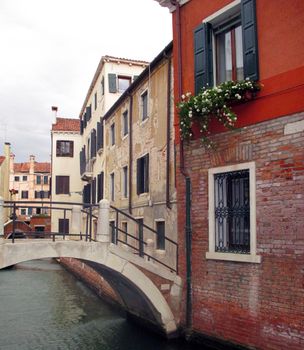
pixel 42 306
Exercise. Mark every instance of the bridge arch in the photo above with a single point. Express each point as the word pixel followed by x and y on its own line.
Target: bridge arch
pixel 139 294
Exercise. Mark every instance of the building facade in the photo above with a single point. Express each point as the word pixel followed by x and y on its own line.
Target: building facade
pixel 66 182
pixel 139 156
pixel 240 226
pixel 30 182
pixel 4 178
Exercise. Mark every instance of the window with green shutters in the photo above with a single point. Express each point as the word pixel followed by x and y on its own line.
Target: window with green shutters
pixel 143 174
pixel 226 48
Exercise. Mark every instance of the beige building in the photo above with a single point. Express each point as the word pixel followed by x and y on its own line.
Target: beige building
pixel 30 181
pixel 113 76
pixel 139 157
pixel 4 178
pixel 66 182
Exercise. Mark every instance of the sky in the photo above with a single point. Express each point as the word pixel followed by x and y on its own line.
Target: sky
pixel 50 50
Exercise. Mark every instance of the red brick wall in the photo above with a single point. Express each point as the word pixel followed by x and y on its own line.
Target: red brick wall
pixel 258 305
pixel 93 279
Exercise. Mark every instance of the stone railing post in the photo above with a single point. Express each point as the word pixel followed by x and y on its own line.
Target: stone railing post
pixel 1 220
pixel 103 229
pixel 149 248
pixel 76 220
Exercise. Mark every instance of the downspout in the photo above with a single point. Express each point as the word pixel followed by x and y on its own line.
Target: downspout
pixel 188 229
pixel 168 133
pixel 130 152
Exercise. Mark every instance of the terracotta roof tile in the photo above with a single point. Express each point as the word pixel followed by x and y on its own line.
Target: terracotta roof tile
pixel 21 167
pixel 42 167
pixel 2 158
pixel 66 124
pixel 38 168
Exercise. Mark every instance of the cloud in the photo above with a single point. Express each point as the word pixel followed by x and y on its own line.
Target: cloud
pixel 50 51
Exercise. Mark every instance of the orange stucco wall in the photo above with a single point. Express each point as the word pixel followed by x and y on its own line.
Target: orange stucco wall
pixel 281 55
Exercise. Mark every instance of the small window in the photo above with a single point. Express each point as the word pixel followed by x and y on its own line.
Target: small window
pixel 124 233
pixel 144 105
pixel 102 86
pixel 63 226
pixel 100 179
pixel 112 186
pixel 95 101
pixel 64 148
pixel 143 174
pixel 24 178
pixel 62 184
pixel 22 211
pixel 232 213
pixel 229 53
pixel 30 211
pixel 46 180
pixel 160 240
pixel 16 178
pixel 112 134
pixel 125 181
pixel 24 194
pixel 38 211
pixel 125 123
pixel 123 83
pixel 113 232
pixel 38 180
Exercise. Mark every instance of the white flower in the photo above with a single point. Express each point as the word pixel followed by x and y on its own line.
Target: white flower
pixel 188 94
pixel 183 97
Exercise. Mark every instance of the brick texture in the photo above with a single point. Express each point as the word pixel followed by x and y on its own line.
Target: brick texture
pixel 257 305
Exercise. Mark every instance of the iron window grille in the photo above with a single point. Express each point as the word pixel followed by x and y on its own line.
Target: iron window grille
pixel 232 212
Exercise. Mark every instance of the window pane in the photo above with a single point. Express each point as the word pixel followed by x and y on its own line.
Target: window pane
pixel 125 123
pixel 160 228
pixel 232 212
pixel 144 101
pixel 239 53
pixel 123 83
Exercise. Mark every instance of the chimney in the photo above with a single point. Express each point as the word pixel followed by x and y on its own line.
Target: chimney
pixel 32 164
pixel 12 161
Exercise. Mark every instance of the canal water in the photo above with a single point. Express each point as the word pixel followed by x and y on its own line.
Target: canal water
pixel 42 306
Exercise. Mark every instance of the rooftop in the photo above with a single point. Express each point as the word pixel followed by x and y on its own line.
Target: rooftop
pixel 66 124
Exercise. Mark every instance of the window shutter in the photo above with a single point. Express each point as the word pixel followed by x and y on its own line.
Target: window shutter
pixel 93 143
pixel 94 191
pixel 100 186
pixel 138 176
pixel 146 171
pixel 84 120
pixel 203 61
pixel 58 186
pixel 98 135
pixel 81 127
pixel 250 42
pixel 88 113
pixel 112 82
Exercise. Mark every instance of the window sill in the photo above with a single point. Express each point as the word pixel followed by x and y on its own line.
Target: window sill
pixel 124 136
pixel 247 258
pixel 144 121
pixel 100 151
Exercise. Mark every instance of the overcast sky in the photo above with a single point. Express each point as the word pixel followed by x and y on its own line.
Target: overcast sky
pixel 50 50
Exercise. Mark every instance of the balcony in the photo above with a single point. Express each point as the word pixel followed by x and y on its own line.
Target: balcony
pixel 87 173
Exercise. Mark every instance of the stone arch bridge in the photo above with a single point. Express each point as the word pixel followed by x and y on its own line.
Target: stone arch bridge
pixel 150 292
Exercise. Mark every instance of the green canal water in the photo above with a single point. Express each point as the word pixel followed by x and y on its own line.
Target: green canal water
pixel 42 306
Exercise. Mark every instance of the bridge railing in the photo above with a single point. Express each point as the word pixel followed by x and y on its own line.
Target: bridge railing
pixel 22 226
pixel 142 240
pixel 79 221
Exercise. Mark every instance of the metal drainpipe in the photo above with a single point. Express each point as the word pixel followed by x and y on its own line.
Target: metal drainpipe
pixel 130 153
pixel 188 229
pixel 168 134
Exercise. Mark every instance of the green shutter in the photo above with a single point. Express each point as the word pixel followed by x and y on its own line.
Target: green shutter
pixel 250 43
pixel 138 176
pixel 203 61
pixel 112 82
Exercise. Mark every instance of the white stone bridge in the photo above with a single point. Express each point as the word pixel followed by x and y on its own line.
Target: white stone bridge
pixel 149 291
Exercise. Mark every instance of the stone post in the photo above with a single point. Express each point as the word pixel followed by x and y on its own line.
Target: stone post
pixel 149 248
pixel 103 229
pixel 1 220
pixel 76 220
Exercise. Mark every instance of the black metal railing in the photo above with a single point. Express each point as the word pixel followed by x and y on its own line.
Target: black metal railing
pixel 142 231
pixel 136 241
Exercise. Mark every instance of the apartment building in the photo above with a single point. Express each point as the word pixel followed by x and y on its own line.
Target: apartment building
pixel 30 182
pixel 66 183
pixel 240 203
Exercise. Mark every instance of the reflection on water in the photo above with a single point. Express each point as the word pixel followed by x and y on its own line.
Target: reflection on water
pixel 43 307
